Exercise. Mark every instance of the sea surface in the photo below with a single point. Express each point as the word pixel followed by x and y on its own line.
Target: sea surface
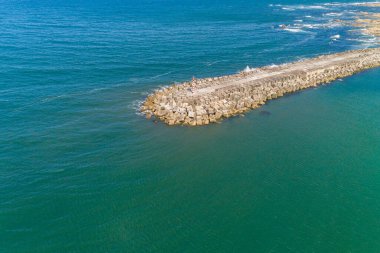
pixel 82 171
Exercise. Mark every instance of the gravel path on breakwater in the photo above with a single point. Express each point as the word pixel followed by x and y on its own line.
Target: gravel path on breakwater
pixel 208 100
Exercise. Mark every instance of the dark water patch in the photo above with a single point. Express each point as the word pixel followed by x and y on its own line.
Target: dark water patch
pixel 265 113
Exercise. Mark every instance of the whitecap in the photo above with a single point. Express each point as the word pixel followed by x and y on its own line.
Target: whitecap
pixel 333 14
pixel 335 37
pixel 322 25
pixel 368 41
pixel 136 106
pixel 332 4
pixel 350 4
pixel 308 7
pixel 364 3
pixel 314 7
pixel 334 24
pixel 288 9
pixel 309 26
pixel 295 30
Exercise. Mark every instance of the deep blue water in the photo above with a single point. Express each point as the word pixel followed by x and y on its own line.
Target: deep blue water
pixel 82 171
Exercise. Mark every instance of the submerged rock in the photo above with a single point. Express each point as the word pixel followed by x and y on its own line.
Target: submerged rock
pixel 265 113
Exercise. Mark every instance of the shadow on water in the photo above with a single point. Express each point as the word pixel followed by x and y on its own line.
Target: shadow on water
pixel 265 113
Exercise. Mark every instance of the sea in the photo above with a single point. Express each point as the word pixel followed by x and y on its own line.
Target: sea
pixel 81 170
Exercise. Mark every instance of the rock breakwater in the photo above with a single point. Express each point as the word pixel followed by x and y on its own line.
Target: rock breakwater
pixel 204 101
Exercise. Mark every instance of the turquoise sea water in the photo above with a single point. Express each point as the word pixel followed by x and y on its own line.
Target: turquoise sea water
pixel 82 171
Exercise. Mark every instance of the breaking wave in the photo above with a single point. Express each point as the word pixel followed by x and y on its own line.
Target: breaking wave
pixel 301 7
pixel 295 30
pixel 136 105
pixel 337 18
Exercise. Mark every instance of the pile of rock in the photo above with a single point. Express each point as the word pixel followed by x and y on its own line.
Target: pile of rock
pixel 204 101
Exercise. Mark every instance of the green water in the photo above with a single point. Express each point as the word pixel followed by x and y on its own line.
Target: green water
pixel 305 178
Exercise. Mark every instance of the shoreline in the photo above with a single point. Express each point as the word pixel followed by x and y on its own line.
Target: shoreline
pixel 209 100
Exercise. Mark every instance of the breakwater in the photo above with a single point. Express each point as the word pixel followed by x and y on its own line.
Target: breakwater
pixel 208 100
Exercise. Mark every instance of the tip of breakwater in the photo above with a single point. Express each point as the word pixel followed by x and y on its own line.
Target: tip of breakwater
pixel 210 100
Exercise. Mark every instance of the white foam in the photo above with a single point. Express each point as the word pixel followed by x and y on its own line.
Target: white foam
pixel 332 4
pixel 288 9
pixel 136 106
pixel 309 26
pixel 350 4
pixel 333 14
pixel 364 3
pixel 368 41
pixel 313 7
pixel 295 30
pixel 365 40
pixel 321 26
pixel 325 6
pixel 337 36
pixel 306 7
pixel 247 69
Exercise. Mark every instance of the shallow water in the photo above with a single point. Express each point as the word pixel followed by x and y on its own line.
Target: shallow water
pixel 82 171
